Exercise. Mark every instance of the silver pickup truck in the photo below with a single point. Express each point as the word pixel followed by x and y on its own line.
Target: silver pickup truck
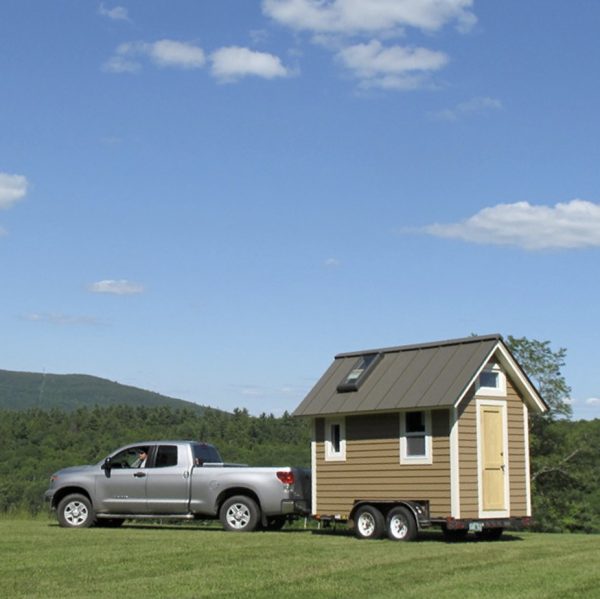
pixel 177 479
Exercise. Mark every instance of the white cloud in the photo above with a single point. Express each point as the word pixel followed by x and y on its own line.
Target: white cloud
pixel 395 67
pixel 574 224
pixel 332 263
pixel 118 13
pixel 163 53
pixel 232 63
pixel 369 16
pixel 170 53
pixel 12 189
pixel 61 319
pixel 333 22
pixel 116 287
pixel 478 105
pixel 593 401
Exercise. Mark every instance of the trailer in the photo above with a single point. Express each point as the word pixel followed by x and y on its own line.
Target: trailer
pixel 433 434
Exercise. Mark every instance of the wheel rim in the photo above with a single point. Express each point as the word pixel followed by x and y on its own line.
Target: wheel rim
pixel 398 527
pixel 76 513
pixel 366 525
pixel 238 515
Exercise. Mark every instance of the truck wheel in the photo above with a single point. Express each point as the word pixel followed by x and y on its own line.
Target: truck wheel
pixel 239 514
pixel 401 525
pixel 368 523
pixel 75 511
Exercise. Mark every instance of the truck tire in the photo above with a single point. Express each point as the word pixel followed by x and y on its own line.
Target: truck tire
pixel 401 525
pixel 239 514
pixel 75 511
pixel 368 523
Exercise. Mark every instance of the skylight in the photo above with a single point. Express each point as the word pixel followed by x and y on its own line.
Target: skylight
pixel 360 371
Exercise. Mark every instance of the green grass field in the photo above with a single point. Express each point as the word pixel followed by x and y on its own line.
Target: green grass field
pixel 39 559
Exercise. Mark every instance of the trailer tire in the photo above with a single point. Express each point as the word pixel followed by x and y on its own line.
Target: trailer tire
pixel 401 525
pixel 239 514
pixel 369 523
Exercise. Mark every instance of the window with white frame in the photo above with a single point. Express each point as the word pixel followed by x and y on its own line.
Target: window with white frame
pixel 415 437
pixel 492 381
pixel 335 439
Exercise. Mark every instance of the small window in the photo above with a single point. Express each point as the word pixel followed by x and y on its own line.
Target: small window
pixel 166 456
pixel 492 381
pixel 415 438
pixel 205 454
pixel 335 439
pixel 359 373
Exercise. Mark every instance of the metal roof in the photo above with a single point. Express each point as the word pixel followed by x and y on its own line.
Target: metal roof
pixel 427 375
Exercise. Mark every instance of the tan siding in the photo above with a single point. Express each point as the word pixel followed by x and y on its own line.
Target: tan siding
pixel 516 452
pixel 467 458
pixel 372 468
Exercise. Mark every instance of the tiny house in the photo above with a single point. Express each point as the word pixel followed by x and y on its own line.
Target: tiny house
pixel 419 435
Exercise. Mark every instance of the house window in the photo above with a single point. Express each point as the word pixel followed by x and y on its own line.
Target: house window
pixel 335 439
pixel 492 381
pixel 359 373
pixel 415 437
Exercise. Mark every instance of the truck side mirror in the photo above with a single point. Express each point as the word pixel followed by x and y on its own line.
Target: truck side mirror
pixel 107 463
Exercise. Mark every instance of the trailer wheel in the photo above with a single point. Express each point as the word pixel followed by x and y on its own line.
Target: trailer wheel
pixel 368 523
pixel 401 525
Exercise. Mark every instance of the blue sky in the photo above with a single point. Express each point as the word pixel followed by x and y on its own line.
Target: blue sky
pixel 212 198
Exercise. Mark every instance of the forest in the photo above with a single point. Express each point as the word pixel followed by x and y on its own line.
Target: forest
pixel 565 454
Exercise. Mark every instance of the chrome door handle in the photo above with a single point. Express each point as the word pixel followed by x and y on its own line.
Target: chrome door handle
pixel 139 474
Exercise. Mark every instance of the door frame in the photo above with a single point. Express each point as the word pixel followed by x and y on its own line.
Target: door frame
pixel 480 403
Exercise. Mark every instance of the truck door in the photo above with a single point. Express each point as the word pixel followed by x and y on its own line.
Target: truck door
pixel 122 489
pixel 168 480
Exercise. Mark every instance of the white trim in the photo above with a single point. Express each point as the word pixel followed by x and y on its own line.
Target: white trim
pixel 527 472
pixel 522 380
pixel 330 454
pixel 454 464
pixel 495 513
pixel 313 468
pixel 475 376
pixel 530 394
pixel 405 459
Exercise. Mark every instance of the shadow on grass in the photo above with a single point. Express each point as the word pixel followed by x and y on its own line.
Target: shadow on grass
pixel 428 536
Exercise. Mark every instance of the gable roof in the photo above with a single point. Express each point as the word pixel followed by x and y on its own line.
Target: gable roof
pixel 428 375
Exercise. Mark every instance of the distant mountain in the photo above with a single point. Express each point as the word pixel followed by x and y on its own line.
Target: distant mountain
pixel 23 390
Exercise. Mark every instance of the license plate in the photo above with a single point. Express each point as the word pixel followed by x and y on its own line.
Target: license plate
pixel 475 526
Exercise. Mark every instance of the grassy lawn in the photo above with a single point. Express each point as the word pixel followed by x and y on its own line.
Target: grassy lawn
pixel 39 559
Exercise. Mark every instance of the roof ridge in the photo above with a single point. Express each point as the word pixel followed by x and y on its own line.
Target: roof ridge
pixel 429 345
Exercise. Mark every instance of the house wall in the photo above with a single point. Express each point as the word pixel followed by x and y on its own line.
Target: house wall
pixel 517 464
pixel 372 468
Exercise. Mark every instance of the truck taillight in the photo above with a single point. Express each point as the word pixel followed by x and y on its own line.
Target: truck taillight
pixel 287 478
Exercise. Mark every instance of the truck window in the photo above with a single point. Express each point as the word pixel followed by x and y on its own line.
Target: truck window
pixel 166 456
pixel 205 454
